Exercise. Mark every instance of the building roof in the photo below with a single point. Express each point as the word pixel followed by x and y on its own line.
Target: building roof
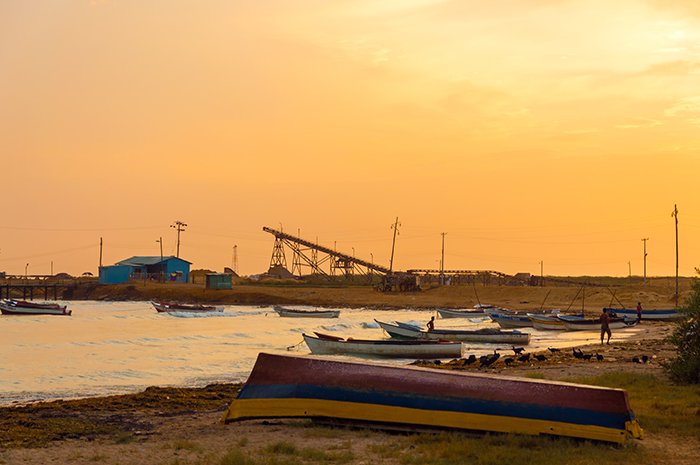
pixel 146 260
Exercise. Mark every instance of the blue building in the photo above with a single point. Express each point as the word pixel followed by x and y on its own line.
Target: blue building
pixel 170 269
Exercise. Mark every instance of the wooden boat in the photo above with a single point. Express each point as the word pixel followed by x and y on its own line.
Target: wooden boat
pixel 659 315
pixel 282 386
pixel 293 313
pixel 447 313
pixel 165 307
pixel 486 335
pixel 512 320
pixel 331 345
pixel 22 307
pixel 575 323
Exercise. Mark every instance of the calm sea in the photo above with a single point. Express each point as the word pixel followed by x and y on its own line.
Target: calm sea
pixel 120 347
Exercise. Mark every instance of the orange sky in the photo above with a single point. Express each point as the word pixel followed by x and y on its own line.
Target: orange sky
pixel 528 130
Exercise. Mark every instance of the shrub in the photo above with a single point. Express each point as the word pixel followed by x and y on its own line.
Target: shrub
pixel 685 367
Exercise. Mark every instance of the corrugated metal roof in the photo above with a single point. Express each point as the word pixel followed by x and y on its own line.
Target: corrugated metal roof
pixel 146 260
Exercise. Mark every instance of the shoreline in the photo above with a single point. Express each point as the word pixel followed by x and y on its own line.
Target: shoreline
pixel 180 425
pixel 187 400
pixel 524 298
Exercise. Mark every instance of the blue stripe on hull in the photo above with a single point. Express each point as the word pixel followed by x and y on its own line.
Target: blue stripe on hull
pixel 461 404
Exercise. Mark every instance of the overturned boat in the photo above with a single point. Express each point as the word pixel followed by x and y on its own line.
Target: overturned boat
pixel 390 348
pixel 283 386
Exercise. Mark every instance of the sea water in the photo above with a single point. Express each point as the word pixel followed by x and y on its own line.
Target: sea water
pixel 119 347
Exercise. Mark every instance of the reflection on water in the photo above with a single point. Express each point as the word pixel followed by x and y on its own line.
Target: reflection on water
pixel 117 347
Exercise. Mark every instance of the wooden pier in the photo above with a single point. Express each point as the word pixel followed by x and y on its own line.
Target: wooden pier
pixel 28 291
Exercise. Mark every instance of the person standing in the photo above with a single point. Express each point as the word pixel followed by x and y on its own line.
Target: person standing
pixel 639 311
pixel 605 326
pixel 431 324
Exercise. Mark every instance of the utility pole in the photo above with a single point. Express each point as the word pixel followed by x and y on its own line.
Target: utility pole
pixel 675 216
pixel 442 260
pixel 180 226
pixel 629 267
pixel 100 252
pixel 541 272
pixel 160 240
pixel 235 259
pixel 51 267
pixel 395 227
pixel 645 259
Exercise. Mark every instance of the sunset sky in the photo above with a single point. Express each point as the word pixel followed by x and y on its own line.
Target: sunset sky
pixel 528 130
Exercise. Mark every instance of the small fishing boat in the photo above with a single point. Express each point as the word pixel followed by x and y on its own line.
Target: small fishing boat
pixel 486 335
pixel 331 345
pixel 448 313
pixel 511 320
pixel 659 315
pixel 546 322
pixel 410 398
pixel 576 323
pixel 294 313
pixel 168 307
pixel 22 307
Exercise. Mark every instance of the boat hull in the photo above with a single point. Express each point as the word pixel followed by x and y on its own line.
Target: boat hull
pixel 546 322
pixel 483 335
pixel 446 313
pixel 291 313
pixel 393 349
pixel 594 325
pixel 171 308
pixel 287 387
pixel 659 315
pixel 511 320
pixel 10 309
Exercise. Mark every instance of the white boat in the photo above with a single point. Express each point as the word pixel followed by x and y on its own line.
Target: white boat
pixel 21 307
pixel 169 307
pixel 447 313
pixel 403 330
pixel 546 322
pixel 659 315
pixel 575 323
pixel 294 313
pixel 331 345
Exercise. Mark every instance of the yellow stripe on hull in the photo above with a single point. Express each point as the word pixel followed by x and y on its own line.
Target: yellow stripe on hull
pixel 289 408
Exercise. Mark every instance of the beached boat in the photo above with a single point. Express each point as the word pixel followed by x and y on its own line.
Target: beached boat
pixel 659 315
pixel 511 320
pixel 331 345
pixel 21 307
pixel 485 335
pixel 282 386
pixel 165 307
pixel 576 323
pixel 448 313
pixel 546 322
pixel 294 313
